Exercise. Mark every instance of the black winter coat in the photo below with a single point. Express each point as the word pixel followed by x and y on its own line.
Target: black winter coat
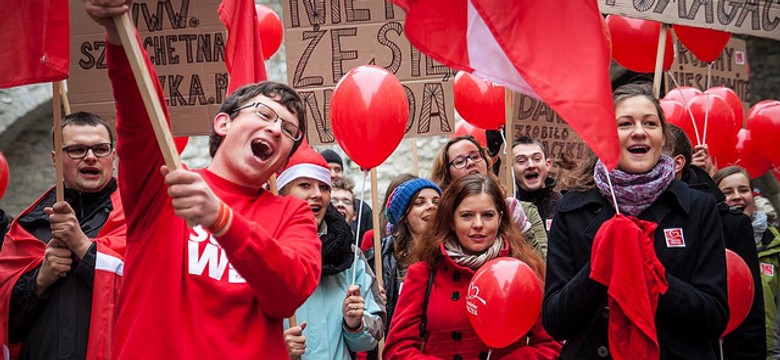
pixel 692 313
pixel 748 341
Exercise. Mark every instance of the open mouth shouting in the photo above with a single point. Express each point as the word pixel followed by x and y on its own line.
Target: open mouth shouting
pixel 262 149
pixel 639 149
pixel 90 171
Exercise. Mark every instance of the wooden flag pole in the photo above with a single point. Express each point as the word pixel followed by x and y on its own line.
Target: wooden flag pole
pixel 415 157
pixel 57 111
pixel 377 239
pixel 659 61
pixel 152 103
pixel 65 101
pixel 509 137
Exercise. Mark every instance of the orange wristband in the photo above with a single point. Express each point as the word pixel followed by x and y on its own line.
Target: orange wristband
pixel 220 224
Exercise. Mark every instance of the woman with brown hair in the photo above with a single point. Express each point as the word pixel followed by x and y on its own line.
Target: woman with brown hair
pixel 463 155
pixel 471 226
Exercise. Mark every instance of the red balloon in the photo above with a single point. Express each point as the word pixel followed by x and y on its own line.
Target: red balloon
pixel 706 44
pixel 504 301
pixel 464 128
pixel 635 43
pixel 181 143
pixel 740 290
pixel 764 125
pixel 746 155
pixel 368 112
pixel 713 114
pixel 271 30
pixel 760 105
pixel 732 99
pixel 4 174
pixel 682 94
pixel 673 111
pixel 479 102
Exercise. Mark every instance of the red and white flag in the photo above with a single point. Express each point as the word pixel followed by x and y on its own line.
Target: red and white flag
pixel 34 42
pixel 554 50
pixel 243 51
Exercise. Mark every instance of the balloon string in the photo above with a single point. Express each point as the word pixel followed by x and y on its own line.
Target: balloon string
pixel 357 228
pixel 720 343
pixel 490 352
pixel 706 118
pixel 612 190
pixel 506 146
pixel 685 106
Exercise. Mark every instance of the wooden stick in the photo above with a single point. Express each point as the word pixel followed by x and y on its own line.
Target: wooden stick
pixel 508 106
pixel 57 111
pixel 145 86
pixel 293 321
pixel 415 157
pixel 272 185
pixel 64 95
pixel 659 61
pixel 378 236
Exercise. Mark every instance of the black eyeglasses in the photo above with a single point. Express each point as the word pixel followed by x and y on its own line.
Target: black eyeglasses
pixel 268 115
pixel 79 152
pixel 461 161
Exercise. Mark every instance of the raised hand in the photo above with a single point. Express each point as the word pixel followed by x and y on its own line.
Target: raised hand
pixel 56 264
pixel 65 227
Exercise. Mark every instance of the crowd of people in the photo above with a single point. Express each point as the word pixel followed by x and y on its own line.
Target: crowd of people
pixel 163 263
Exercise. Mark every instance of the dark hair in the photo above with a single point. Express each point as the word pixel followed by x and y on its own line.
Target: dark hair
pixel 83 118
pixel 581 177
pixel 440 171
pixel 527 140
pixel 728 171
pixel 281 93
pixel 441 226
pixel 682 146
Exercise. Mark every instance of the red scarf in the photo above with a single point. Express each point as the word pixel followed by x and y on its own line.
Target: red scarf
pixel 623 258
pixel 22 252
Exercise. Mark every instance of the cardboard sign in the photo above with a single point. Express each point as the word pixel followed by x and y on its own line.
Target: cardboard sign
pixel 730 70
pixel 324 39
pixel 185 42
pixel 534 118
pixel 749 17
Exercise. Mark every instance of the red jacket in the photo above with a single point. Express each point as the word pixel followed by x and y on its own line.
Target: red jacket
pixel 449 331
pixel 23 252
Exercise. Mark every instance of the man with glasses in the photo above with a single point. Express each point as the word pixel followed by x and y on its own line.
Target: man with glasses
pixel 532 166
pixel 214 261
pixel 52 263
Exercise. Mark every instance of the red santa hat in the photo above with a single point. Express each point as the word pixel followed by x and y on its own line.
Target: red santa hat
pixel 305 163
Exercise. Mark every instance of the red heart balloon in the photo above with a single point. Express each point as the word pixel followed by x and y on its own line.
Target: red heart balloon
pixel 760 105
pixel 504 301
pixel 5 175
pixel 715 123
pixel 732 99
pixel 706 44
pixel 673 111
pixel 478 101
pixel 740 290
pixel 635 43
pixel 464 128
pixel 271 30
pixel 764 125
pixel 746 155
pixel 682 94
pixel 369 111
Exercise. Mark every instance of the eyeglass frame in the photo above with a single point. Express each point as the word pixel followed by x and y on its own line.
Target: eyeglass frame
pixel 278 118
pixel 66 150
pixel 466 158
pixel 346 202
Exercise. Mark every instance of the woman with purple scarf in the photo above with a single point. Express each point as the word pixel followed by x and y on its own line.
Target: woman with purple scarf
pixel 693 311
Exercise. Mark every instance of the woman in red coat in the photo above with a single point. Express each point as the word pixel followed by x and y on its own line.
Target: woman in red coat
pixel 471 227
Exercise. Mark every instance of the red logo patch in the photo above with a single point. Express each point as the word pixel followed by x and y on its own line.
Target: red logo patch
pixel 768 269
pixel 674 237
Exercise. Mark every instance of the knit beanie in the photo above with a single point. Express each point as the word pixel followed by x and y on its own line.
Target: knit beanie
pixel 402 197
pixel 304 163
pixel 331 157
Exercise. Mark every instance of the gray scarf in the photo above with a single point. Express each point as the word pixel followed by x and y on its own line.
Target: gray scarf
pixel 759 225
pixel 459 256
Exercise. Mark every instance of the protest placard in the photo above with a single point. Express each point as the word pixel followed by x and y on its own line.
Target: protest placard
pixel 185 42
pixel 326 39
pixel 536 119
pixel 749 17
